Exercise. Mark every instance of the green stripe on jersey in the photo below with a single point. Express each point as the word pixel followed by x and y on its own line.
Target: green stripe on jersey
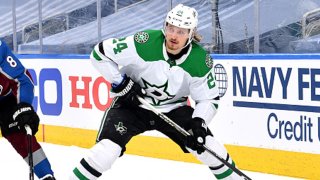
pixel 96 56
pixel 79 174
pixel 226 173
pixel 215 105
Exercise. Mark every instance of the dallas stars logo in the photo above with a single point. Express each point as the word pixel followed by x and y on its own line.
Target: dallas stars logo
pixel 209 61
pixel 157 94
pixel 141 37
pixel 179 13
pixel 120 128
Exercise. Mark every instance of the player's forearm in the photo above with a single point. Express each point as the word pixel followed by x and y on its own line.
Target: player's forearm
pixel 25 93
pixel 206 110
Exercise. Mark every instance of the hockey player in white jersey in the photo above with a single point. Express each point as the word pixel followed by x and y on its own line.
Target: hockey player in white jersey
pixel 164 67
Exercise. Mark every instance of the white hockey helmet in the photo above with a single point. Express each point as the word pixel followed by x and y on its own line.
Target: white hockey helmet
pixel 183 17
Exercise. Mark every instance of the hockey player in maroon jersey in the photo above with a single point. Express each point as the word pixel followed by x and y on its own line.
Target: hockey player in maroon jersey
pixel 16 111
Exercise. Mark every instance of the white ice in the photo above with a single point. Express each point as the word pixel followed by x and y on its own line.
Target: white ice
pixel 64 158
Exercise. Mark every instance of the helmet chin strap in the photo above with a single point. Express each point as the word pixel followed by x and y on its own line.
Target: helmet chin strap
pixel 190 38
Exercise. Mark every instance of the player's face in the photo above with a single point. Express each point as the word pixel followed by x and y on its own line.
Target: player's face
pixel 176 38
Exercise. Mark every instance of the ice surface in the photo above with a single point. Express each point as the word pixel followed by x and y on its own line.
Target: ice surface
pixel 129 167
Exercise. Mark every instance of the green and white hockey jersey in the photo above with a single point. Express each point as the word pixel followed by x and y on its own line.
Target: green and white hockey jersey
pixel 168 83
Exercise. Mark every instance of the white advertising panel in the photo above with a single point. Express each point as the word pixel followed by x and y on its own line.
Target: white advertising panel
pixel 68 92
pixel 269 102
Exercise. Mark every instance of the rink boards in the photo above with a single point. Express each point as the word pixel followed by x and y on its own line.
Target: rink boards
pixel 268 118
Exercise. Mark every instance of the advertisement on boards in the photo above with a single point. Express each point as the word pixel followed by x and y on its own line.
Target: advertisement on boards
pixel 269 103
pixel 69 92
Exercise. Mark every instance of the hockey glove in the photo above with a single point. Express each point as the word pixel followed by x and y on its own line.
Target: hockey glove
pixel 24 114
pixel 128 91
pixel 198 132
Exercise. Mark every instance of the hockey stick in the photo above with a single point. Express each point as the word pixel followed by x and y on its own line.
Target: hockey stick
pixel 30 157
pixel 186 133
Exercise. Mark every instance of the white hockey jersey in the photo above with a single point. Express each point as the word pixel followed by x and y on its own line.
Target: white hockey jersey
pixel 168 83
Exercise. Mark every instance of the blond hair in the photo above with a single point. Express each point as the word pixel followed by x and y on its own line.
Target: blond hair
pixel 196 36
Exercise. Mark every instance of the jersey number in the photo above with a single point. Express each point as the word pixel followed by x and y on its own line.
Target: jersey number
pixel 11 61
pixel 119 45
pixel 211 81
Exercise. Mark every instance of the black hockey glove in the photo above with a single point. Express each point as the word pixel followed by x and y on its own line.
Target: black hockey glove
pixel 24 114
pixel 198 132
pixel 128 91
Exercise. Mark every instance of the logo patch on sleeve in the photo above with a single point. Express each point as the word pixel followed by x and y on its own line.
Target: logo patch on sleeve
pixel 141 37
pixel 209 61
